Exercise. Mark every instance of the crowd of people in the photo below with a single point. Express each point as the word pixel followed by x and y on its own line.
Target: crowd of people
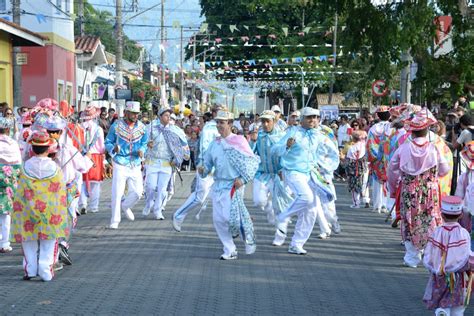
pixel 400 160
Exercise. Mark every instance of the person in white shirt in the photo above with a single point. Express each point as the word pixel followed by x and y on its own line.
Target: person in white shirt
pixel 342 133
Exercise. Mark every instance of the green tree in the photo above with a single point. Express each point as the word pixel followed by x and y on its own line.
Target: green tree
pixel 101 23
pixel 143 92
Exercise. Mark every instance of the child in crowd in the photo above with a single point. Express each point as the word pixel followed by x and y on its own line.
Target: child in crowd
pixel 449 259
pixel 40 210
pixel 193 144
pixel 356 166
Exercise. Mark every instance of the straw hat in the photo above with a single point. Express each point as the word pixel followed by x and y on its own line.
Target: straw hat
pixel 224 115
pixel 420 121
pixel 90 112
pixel 40 138
pixel 267 114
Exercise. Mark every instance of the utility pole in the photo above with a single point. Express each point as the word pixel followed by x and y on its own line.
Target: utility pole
pixel 162 59
pixel 405 82
pixel 334 54
pixel 80 14
pixel 119 33
pixel 182 72
pixel 17 96
pixel 193 92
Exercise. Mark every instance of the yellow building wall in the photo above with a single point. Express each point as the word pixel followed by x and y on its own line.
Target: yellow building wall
pixel 6 76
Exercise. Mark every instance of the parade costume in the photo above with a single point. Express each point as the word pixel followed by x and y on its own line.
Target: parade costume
pixel 231 158
pixel 39 216
pixel 377 136
pixel 301 165
pixel 201 185
pixel 267 181
pixel 329 207
pixel 167 152
pixel 130 139
pixel 465 186
pixel 356 168
pixel 449 259
pixel 10 163
pixel 95 147
pixel 414 171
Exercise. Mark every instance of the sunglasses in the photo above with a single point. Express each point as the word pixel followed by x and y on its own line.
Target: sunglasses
pixel 54 131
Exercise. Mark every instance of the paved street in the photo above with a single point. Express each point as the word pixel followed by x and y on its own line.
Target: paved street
pixel 147 268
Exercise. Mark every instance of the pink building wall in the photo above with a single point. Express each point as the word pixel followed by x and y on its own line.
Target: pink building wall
pixel 47 67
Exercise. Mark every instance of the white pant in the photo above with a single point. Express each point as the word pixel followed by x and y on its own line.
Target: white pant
pixel 39 264
pixel 329 210
pixel 132 177
pixel 305 205
pixel 5 222
pixel 450 311
pixel 378 196
pixel 157 180
pixel 220 214
pixel 197 198
pixel 262 195
pixel 365 188
pixel 412 254
pixel 94 195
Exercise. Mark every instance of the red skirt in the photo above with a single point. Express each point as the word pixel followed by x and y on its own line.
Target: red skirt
pixel 96 173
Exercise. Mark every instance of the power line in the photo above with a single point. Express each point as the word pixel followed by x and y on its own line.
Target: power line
pixel 170 10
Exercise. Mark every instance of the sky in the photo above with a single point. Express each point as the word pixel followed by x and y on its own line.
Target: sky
pixel 186 12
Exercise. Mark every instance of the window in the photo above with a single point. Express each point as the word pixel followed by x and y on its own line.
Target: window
pixel 58 6
pixel 3 5
pixel 67 6
pixel 60 91
pixel 69 93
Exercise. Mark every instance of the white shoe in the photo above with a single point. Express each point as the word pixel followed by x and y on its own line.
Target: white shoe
pixel 250 249
pixel 414 266
pixel 159 216
pixel 113 226
pixel 129 214
pixel 146 211
pixel 232 256
pixel 94 210
pixel 354 206
pixel 383 210
pixel 336 228
pixel 279 239
pixel 297 250
pixel 177 224
pixel 324 235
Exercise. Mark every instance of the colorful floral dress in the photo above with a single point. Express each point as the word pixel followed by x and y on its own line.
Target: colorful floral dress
pixel 420 206
pixel 355 170
pixel 40 208
pixel 8 183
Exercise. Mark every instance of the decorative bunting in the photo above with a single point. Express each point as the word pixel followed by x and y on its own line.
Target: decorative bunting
pixel 219 26
pixel 285 31
pixel 203 28
pixel 233 28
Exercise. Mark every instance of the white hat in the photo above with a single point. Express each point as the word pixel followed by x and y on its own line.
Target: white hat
pixel 269 115
pixel 224 115
pixel 295 113
pixel 451 205
pixel 173 116
pixel 163 110
pixel 307 111
pixel 276 108
pixel 132 106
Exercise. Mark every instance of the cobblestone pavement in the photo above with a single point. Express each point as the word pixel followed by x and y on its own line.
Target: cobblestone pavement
pixel 147 268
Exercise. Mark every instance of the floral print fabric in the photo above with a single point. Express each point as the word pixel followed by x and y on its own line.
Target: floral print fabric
pixel 39 209
pixel 8 183
pixel 420 207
